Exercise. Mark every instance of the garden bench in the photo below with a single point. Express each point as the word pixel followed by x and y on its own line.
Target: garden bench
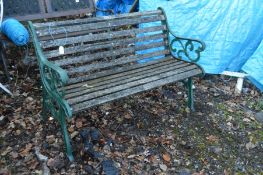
pixel 92 61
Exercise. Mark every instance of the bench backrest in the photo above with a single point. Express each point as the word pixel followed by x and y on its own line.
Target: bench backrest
pixel 96 46
pixel 24 10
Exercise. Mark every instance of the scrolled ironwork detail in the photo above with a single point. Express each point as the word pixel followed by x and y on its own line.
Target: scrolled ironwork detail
pixel 187 45
pixel 188 48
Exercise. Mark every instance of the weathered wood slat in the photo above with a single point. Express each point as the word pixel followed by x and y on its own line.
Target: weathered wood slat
pixel 104 54
pixel 100 36
pixel 105 75
pixel 96 19
pixel 98 85
pixel 131 84
pixel 140 68
pixel 99 25
pixel 102 45
pixel 120 61
pixel 133 90
pixel 74 82
pixel 67 35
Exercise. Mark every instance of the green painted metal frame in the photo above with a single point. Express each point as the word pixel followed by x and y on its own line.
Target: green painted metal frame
pixel 55 78
pixel 190 102
pixel 187 46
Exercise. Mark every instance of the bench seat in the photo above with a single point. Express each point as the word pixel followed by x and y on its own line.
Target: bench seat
pixel 123 83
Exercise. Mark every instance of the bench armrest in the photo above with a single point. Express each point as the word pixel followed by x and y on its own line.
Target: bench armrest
pixel 53 77
pixel 191 48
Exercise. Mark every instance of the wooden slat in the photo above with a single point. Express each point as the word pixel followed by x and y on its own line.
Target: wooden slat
pixel 133 90
pixel 104 54
pixel 96 19
pixel 116 70
pixel 104 75
pixel 128 85
pixel 98 85
pixel 120 61
pixel 102 45
pixel 127 71
pixel 64 35
pixel 100 36
pixel 99 25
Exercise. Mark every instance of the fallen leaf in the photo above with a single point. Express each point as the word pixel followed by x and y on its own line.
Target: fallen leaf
pixel 79 123
pixel 71 129
pixel 246 120
pixel 5 172
pixel 226 172
pixel 51 139
pixel 7 150
pixel 127 116
pixel 74 134
pixel 33 165
pixel 11 125
pixel 14 154
pixel 163 167
pixel 56 163
pixel 202 172
pixel 166 157
pixel 212 138
pixel 250 145
pixel 26 150
pixel 210 104
pixel 131 156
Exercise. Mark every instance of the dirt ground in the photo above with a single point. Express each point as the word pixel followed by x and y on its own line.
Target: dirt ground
pixel 150 133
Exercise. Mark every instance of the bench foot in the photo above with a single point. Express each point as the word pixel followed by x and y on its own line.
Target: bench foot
pixel 62 120
pixel 190 94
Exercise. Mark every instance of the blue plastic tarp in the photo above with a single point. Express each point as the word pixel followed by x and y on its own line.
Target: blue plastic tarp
pixel 254 67
pixel 118 6
pixel 231 29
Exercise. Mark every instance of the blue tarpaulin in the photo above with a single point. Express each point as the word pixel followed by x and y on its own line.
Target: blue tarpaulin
pixel 231 29
pixel 118 6
pixel 254 67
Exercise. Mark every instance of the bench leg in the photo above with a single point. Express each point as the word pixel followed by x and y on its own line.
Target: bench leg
pixel 190 94
pixel 62 120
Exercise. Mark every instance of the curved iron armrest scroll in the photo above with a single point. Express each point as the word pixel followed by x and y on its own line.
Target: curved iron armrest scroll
pixel 53 77
pixel 188 46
